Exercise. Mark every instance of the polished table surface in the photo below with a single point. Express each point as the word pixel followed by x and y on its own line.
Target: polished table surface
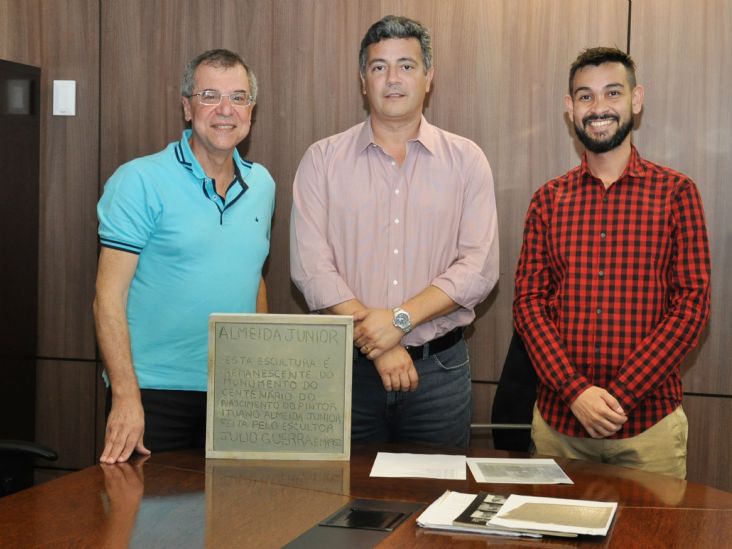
pixel 180 499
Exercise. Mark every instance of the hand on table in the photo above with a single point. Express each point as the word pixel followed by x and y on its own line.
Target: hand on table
pixel 125 429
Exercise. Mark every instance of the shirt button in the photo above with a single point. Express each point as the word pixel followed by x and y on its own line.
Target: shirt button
pixel 601 273
pixel 396 251
pixel 395 282
pixel 396 221
pixel 602 234
pixel 393 163
pixel 599 311
pixel 396 191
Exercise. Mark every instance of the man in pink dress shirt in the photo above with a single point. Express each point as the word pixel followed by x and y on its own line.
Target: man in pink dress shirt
pixel 394 223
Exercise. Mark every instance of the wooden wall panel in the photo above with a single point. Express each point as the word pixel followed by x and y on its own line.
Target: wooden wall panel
pixel 69 175
pixel 144 48
pixel 710 450
pixel 20 33
pixel 683 50
pixel 65 411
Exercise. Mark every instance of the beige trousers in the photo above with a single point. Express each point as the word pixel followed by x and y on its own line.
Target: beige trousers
pixel 660 449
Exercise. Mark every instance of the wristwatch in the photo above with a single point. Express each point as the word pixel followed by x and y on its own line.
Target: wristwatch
pixel 402 320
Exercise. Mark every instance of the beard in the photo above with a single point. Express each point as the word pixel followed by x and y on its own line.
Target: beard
pixel 608 143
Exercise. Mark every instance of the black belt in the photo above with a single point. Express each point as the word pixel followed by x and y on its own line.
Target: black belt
pixel 433 347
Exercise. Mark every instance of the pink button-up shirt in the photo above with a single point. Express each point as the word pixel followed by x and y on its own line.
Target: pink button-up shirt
pixel 365 227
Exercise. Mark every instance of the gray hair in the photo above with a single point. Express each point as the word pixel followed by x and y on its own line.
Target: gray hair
pixel 393 26
pixel 217 58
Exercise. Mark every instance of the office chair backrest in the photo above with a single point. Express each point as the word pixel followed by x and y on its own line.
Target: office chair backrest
pixel 16 464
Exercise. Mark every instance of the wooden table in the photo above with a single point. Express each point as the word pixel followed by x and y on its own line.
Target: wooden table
pixel 182 500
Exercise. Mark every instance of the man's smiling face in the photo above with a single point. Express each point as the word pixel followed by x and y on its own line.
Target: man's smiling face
pixel 218 128
pixel 602 106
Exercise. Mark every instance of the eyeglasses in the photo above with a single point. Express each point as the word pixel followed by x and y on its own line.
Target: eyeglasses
pixel 213 97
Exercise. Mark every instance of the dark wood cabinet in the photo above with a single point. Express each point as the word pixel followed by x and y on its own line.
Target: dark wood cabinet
pixel 19 168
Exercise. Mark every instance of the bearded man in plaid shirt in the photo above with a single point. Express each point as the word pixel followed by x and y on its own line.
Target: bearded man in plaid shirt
pixel 612 285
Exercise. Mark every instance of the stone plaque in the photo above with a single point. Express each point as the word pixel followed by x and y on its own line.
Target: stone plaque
pixel 279 386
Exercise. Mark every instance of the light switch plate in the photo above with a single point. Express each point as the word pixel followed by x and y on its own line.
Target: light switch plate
pixel 64 97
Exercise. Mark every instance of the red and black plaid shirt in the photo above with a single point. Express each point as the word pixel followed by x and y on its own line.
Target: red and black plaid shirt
pixel 612 290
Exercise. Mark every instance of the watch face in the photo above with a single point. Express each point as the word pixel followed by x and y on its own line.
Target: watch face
pixel 402 321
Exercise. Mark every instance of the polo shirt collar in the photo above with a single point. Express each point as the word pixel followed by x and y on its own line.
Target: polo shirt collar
pixel 425 136
pixel 188 160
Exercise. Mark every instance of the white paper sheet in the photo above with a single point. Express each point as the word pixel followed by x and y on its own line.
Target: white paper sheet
pixel 419 466
pixel 517 471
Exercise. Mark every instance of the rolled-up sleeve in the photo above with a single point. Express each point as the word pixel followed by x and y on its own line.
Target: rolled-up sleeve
pixel 474 273
pixel 312 264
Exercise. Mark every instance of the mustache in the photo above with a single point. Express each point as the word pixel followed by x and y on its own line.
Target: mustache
pixel 593 117
pixel 392 88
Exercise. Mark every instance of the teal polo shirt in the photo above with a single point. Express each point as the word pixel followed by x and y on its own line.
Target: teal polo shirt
pixel 198 254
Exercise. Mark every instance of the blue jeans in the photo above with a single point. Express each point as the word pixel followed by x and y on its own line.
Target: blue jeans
pixel 438 412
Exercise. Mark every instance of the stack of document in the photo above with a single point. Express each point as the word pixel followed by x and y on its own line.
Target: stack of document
pixel 524 516
pixel 449 506
pixel 527 516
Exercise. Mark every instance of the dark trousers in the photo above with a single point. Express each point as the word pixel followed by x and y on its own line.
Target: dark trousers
pixel 174 420
pixel 438 412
